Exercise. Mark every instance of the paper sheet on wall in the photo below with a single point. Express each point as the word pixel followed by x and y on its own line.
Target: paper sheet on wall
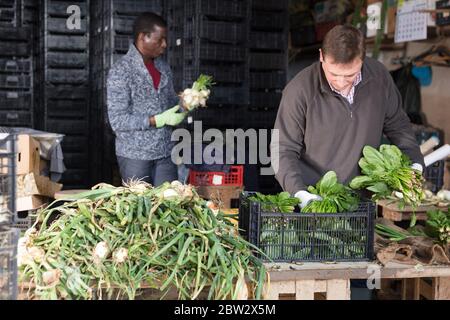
pixel 411 23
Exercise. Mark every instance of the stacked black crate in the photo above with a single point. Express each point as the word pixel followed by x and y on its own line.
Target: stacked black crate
pixel 111 36
pixel 64 83
pixel 209 37
pixel 268 70
pixel 16 66
pixel 268 60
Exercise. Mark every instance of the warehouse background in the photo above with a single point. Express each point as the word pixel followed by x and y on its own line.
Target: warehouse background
pixel 52 78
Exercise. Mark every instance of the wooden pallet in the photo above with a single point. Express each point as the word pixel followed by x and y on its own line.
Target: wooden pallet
pixel 336 289
pixel 332 281
pixel 426 288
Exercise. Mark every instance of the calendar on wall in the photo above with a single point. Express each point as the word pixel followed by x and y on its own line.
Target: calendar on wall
pixel 411 23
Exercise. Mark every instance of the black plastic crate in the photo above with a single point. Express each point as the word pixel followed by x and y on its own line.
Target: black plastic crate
pixel 23 224
pixel 9 239
pixel 442 19
pixel 67 43
pixel 14 118
pixel 217 31
pixel 67 92
pixel 123 24
pixel 8 149
pixel 15 34
pixel 303 35
pixel 15 81
pixel 225 9
pixel 58 25
pixel 30 16
pixel 262 20
pixel 434 176
pixel 222 95
pixel 215 52
pixel 122 43
pixel 75 178
pixel 268 40
pixel 257 119
pixel 232 73
pixel 67 76
pixel 15 100
pixel 15 49
pixel 270 5
pixel 319 237
pixel 135 7
pixel 270 99
pixel 213 117
pixel 57 8
pixel 20 65
pixel 268 61
pixel 8 17
pixel 67 60
pixel 67 109
pixel 78 160
pixel 268 80
pixel 68 126
pixel 74 143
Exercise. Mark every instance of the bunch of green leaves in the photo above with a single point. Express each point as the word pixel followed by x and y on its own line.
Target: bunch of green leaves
pixel 388 174
pixel 203 82
pixel 336 197
pixel 282 202
pixel 169 242
pixel 391 233
pixel 438 226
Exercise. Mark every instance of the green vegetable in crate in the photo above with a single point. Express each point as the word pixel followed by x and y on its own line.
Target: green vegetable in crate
pixel 335 196
pixel 282 202
pixel 388 174
pixel 114 240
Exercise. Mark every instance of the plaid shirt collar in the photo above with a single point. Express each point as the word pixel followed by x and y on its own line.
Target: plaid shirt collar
pixel 351 93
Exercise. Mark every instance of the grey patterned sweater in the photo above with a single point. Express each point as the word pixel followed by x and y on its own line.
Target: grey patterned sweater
pixel 132 99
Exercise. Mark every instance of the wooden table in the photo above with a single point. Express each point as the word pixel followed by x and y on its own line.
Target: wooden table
pixel 304 281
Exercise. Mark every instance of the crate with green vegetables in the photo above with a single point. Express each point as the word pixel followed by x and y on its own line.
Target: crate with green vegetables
pixel 338 228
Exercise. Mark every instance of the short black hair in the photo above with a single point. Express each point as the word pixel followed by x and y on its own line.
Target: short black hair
pixel 146 22
pixel 344 43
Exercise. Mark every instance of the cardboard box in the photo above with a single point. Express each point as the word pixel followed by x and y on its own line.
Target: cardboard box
pixel 30 203
pixel 33 184
pixel 27 156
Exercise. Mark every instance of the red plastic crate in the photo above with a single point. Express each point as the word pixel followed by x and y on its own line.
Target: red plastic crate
pixel 232 178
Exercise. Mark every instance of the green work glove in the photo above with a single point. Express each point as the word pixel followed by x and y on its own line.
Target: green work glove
pixel 170 117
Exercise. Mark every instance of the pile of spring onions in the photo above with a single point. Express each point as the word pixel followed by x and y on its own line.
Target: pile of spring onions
pixel 109 242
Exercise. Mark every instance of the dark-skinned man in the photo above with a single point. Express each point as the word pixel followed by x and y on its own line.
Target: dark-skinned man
pixel 143 106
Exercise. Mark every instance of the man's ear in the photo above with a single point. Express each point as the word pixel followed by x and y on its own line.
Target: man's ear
pixel 321 55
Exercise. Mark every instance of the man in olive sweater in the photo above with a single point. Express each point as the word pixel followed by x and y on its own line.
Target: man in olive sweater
pixel 334 108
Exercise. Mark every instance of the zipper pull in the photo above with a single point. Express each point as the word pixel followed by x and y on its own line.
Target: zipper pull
pixel 351 114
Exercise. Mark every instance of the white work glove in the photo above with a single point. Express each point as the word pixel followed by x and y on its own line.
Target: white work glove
pixel 418 167
pixel 305 198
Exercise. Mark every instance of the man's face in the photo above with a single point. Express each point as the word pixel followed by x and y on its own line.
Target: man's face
pixel 155 43
pixel 340 76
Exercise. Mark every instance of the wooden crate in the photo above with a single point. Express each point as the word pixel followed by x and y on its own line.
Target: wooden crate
pixel 390 211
